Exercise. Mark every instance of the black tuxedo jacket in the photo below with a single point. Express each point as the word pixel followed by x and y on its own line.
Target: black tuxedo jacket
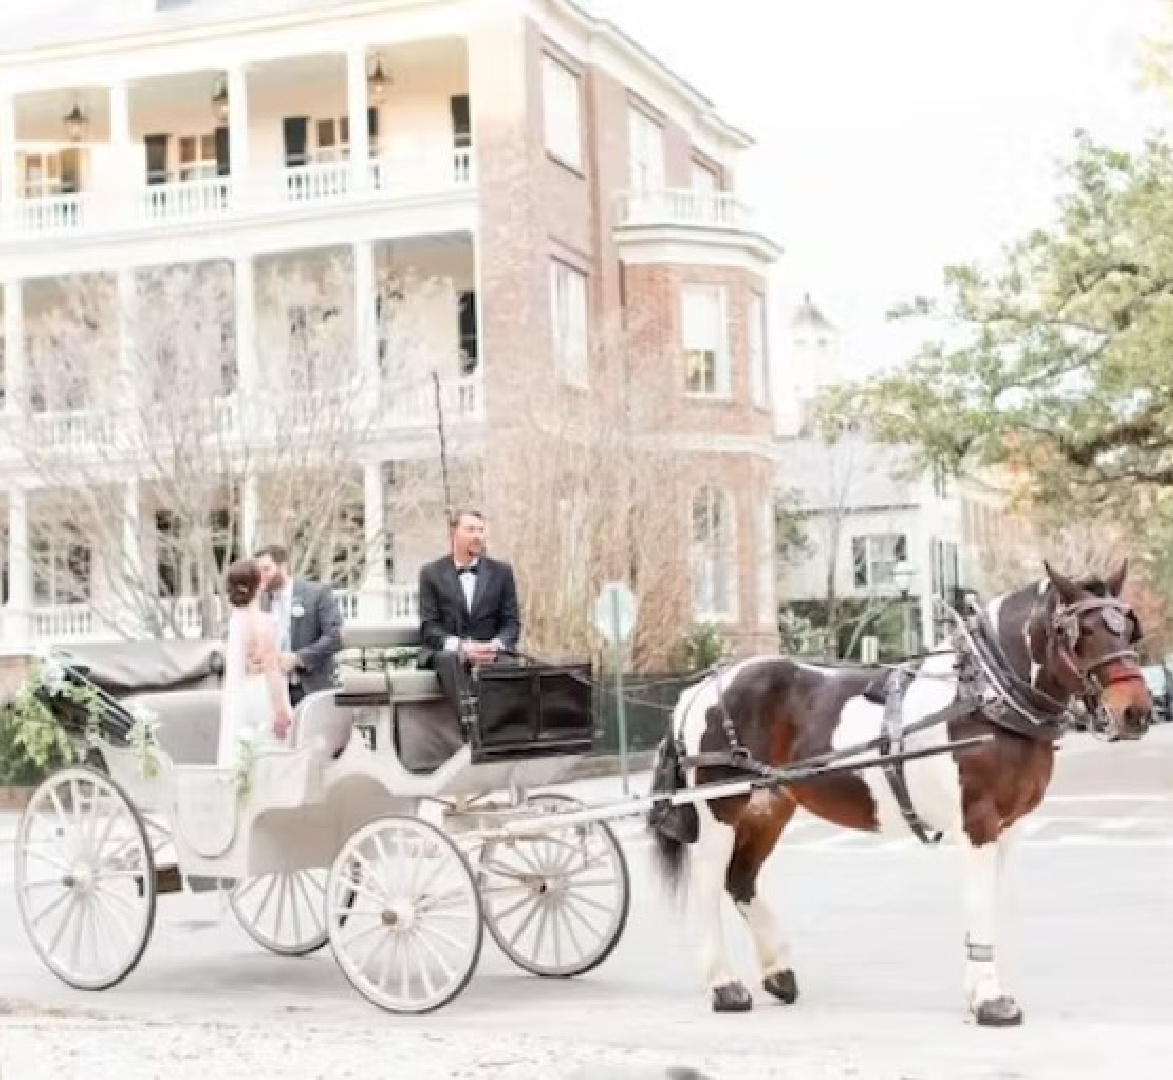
pixel 444 612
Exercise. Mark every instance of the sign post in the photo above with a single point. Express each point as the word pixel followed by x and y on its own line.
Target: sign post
pixel 615 620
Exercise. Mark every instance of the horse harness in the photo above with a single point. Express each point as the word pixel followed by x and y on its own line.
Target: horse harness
pixel 987 688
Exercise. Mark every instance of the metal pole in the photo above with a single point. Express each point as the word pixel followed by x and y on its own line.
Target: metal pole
pixel 620 706
pixel 448 507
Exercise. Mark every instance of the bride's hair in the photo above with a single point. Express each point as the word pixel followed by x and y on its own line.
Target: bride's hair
pixel 243 579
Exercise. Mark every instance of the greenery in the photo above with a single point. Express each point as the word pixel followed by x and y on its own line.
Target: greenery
pixel 703 647
pixel 1054 366
pixel 32 741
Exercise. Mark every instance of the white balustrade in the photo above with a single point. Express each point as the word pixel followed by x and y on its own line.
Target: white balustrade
pixel 63 622
pixel 186 201
pixel 319 181
pixel 414 174
pixel 684 207
pixel 52 214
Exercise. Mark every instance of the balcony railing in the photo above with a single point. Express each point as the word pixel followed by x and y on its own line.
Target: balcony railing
pixel 227 424
pixel 63 623
pixel 221 197
pixel 52 214
pixel 683 208
pixel 186 200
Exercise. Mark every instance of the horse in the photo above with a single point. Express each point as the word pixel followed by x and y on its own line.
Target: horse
pixel 1014 673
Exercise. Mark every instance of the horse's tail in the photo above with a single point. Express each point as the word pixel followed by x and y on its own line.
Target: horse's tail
pixel 673 828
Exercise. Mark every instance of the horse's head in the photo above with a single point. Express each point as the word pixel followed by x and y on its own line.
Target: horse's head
pixel 1084 638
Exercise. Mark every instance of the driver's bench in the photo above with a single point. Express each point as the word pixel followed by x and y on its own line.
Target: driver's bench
pixel 522 711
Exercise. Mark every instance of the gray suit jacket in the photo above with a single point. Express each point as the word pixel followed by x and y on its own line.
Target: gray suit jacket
pixel 315 633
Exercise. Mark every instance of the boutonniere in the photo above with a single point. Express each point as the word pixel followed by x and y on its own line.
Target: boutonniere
pixel 298 610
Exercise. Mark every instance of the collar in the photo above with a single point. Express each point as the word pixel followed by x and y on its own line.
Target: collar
pixel 473 565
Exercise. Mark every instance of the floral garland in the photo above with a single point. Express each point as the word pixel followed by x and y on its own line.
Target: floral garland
pixel 243 776
pixel 144 740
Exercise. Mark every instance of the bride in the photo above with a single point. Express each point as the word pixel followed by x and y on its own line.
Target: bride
pixel 254 704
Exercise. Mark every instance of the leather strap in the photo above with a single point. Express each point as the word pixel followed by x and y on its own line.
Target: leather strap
pixel 892 742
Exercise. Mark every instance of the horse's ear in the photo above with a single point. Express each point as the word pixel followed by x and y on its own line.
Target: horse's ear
pixel 1115 580
pixel 1068 591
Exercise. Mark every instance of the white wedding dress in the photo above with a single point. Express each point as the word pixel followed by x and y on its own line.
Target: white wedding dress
pixel 246 710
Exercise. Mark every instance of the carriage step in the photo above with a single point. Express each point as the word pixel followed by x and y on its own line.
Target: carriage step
pixel 168 879
pixel 210 884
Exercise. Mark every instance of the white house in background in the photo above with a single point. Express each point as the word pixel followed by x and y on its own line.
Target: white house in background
pixel 876 525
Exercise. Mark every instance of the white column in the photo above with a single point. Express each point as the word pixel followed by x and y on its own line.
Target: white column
pixel 373 595
pixel 245 282
pixel 119 115
pixel 249 511
pixel 15 363
pixel 356 105
pixel 8 192
pixel 366 331
pixel 18 613
pixel 238 133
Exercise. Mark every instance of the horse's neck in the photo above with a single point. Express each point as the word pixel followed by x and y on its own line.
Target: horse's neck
pixel 1011 615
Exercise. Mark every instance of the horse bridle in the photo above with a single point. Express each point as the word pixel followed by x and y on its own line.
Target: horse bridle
pixel 1120 666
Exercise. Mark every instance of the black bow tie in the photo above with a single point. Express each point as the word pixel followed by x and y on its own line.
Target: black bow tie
pixel 472 568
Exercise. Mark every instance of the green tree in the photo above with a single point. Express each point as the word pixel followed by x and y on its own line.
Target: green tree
pixel 1057 362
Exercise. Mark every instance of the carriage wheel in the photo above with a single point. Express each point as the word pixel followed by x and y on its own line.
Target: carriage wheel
pixel 404 915
pixel 85 879
pixel 283 912
pixel 556 904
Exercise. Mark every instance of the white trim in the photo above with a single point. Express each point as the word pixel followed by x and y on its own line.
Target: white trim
pixel 658 244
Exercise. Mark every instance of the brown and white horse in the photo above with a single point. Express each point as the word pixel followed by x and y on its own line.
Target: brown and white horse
pixel 1056 642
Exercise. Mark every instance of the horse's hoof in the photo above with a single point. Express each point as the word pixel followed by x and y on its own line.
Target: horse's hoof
pixel 733 997
pixel 998 1012
pixel 783 985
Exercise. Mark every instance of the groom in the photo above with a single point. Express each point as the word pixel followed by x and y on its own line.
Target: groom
pixel 309 624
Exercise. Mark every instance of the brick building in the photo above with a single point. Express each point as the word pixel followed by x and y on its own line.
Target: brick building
pixel 571 189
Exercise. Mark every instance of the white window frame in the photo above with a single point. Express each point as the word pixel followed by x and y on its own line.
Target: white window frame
pixel 201 166
pixel 570 322
pixel 759 363
pixel 720 384
pixel 878 563
pixel 714 554
pixel 54 582
pixel 338 148
pixel 562 111
pixel 645 155
pixel 40 174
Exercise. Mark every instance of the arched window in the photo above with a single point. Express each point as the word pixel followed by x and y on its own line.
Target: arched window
pixel 714 555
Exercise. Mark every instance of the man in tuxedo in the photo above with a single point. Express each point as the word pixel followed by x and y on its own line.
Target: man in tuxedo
pixel 468 608
pixel 308 622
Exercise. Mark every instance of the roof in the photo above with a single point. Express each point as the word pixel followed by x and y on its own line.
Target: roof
pixel 809 317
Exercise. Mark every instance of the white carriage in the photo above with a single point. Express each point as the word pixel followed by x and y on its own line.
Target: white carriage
pixel 383 829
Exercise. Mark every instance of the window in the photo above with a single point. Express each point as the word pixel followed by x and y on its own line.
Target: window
pixel 62 571
pixel 309 332
pixel 706 356
pixel 645 153
pixel 767 565
pixel 562 112
pixel 331 139
pixel 568 292
pixel 197 157
pixel 182 552
pixel 704 179
pixel 873 559
pixel 468 332
pixel 714 555
pixel 461 122
pixel 759 366
pixel 946 572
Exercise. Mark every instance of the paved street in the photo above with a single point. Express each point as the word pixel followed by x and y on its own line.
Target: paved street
pixel 1088 948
